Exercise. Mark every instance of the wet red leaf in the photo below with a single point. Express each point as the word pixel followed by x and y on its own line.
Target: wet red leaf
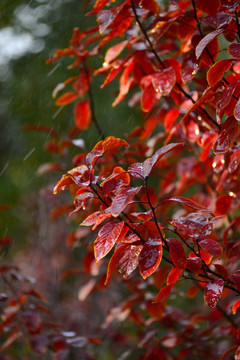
pixel 164 80
pixel 206 40
pixel 163 293
pixel 226 136
pixel 173 276
pixel 122 199
pixel 212 247
pixel 189 68
pixel 128 259
pixel 234 50
pixel 177 253
pixel 225 99
pixel 107 237
pixel 151 5
pixel 234 161
pixel 82 114
pixel 208 7
pixel 194 264
pixel 188 203
pixel 236 279
pixel 237 110
pixel 217 71
pixel 212 292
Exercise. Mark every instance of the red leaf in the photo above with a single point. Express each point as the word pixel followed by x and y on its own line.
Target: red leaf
pixel 114 51
pixel 188 203
pixel 115 181
pixel 212 292
pixel 164 80
pixel 208 7
pixel 212 247
pixel 82 114
pixel 151 254
pixel 151 5
pixel 225 99
pixel 194 264
pixel 217 70
pixel 128 259
pixel 99 4
pixel 103 216
pixel 234 50
pixel 122 199
pixel 226 136
pixel 235 307
pixel 173 276
pixel 113 263
pixel 207 94
pixel 80 201
pixel 107 237
pixel 237 110
pixel 125 83
pixel 103 146
pixel 236 279
pixel 206 40
pixel 163 293
pixel 61 184
pixel 106 17
pixel 142 170
pixel 147 99
pixel 223 204
pixel 66 98
pixel 91 219
pixel 189 68
pixel 177 253
pixel 234 161
pixel 80 175
pixel 145 216
pixel 171 118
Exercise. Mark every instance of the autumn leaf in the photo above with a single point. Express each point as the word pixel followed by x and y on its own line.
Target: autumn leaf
pixel 213 291
pixel 66 98
pixel 82 114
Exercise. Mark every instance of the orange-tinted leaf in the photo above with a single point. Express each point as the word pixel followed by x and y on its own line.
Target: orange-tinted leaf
pixel 91 219
pixel 147 99
pixel 164 80
pixel 212 292
pixel 114 51
pixel 122 199
pixel 107 237
pixel 125 83
pixel 116 180
pixel 206 40
pixel 194 264
pixel 189 68
pixel 103 216
pixel 99 4
pixel 212 247
pixel 235 306
pixel 217 71
pixel 82 114
pixel 234 50
pixel 80 201
pixel 226 136
pixel 173 276
pixel 177 253
pixel 80 175
pixel 208 7
pixel 66 98
pixel 163 293
pixel 61 184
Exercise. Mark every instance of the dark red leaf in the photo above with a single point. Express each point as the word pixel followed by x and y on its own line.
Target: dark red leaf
pixel 145 216
pixel 122 199
pixel 82 114
pixel 223 204
pixel 206 40
pixel 234 50
pixel 208 7
pixel 212 292
pixel 177 253
pixel 194 264
pixel 164 80
pixel 191 223
pixel 189 68
pixel 107 237
pixel 151 5
pixel 212 247
pixel 217 71
pixel 66 98
pixel 236 279
pixel 226 136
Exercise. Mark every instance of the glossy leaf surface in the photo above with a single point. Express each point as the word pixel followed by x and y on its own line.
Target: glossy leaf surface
pixel 212 292
pixel 226 136
pixel 177 253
